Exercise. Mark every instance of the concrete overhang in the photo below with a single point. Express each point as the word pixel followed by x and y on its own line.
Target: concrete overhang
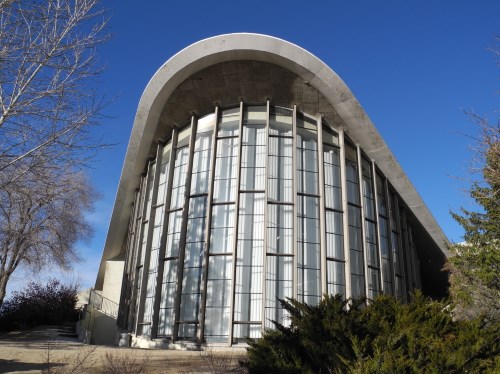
pixel 253 47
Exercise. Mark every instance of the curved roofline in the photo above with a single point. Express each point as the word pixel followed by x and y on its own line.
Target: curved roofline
pixel 248 46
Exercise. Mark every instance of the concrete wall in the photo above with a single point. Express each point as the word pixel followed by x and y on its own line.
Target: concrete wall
pixel 112 285
pixel 104 328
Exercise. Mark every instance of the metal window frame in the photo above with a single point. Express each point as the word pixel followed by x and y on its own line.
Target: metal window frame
pixel 363 215
pixel 208 232
pixel 235 227
pixel 163 239
pixel 134 317
pixel 266 220
pixel 182 241
pixel 149 238
pixel 345 219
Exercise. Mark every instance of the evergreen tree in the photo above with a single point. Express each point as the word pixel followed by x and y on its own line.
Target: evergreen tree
pixel 475 264
pixel 384 337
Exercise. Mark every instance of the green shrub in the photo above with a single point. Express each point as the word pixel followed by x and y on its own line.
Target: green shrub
pixel 37 304
pixel 384 337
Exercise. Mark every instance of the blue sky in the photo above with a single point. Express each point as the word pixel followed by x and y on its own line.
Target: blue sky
pixel 413 65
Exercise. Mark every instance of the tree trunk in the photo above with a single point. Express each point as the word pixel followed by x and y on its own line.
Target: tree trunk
pixel 3 286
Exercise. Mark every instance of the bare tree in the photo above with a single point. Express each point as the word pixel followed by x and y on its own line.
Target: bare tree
pixel 48 108
pixel 41 220
pixel 47 65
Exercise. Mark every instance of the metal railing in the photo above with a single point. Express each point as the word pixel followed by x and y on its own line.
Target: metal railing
pixel 103 304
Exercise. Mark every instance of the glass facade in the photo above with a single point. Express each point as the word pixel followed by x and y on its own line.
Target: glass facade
pixel 252 204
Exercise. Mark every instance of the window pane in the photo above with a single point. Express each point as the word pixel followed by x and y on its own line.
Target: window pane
pixel 193 259
pixel 201 163
pixel 222 236
pixel 280 121
pixel 229 122
pixel 371 243
pixel 218 298
pixel 373 283
pixel 329 135
pixel 255 115
pixel 331 160
pixel 334 235
pixel 336 277
pixel 280 169
pixel 249 259
pixel 278 286
pixel 226 170
pixel 307 162
pixel 253 157
pixel 308 262
pixel 179 181
pixel 280 229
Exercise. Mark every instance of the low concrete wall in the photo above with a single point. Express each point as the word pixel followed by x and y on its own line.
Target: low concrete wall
pixel 97 327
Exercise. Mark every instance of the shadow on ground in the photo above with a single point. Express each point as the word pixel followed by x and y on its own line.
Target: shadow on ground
pixel 15 366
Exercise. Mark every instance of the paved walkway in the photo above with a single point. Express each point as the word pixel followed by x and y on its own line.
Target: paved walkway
pixel 30 351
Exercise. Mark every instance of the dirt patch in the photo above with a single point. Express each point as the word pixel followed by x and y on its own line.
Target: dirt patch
pixel 33 350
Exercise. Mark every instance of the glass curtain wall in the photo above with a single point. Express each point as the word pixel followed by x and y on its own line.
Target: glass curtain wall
pixel 227 221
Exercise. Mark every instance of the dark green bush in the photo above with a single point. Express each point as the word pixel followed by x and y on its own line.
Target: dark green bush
pixel 37 304
pixel 384 337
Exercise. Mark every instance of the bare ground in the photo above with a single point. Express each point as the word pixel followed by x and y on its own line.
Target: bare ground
pixel 42 348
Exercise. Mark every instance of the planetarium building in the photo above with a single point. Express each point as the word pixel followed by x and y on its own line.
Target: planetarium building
pixel 253 175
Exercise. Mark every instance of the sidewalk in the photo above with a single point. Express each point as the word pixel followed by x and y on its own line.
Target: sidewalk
pixel 29 351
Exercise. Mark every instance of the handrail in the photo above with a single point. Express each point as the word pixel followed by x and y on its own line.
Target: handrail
pixel 103 304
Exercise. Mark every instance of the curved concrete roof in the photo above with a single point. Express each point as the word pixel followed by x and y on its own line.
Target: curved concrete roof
pixel 256 47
